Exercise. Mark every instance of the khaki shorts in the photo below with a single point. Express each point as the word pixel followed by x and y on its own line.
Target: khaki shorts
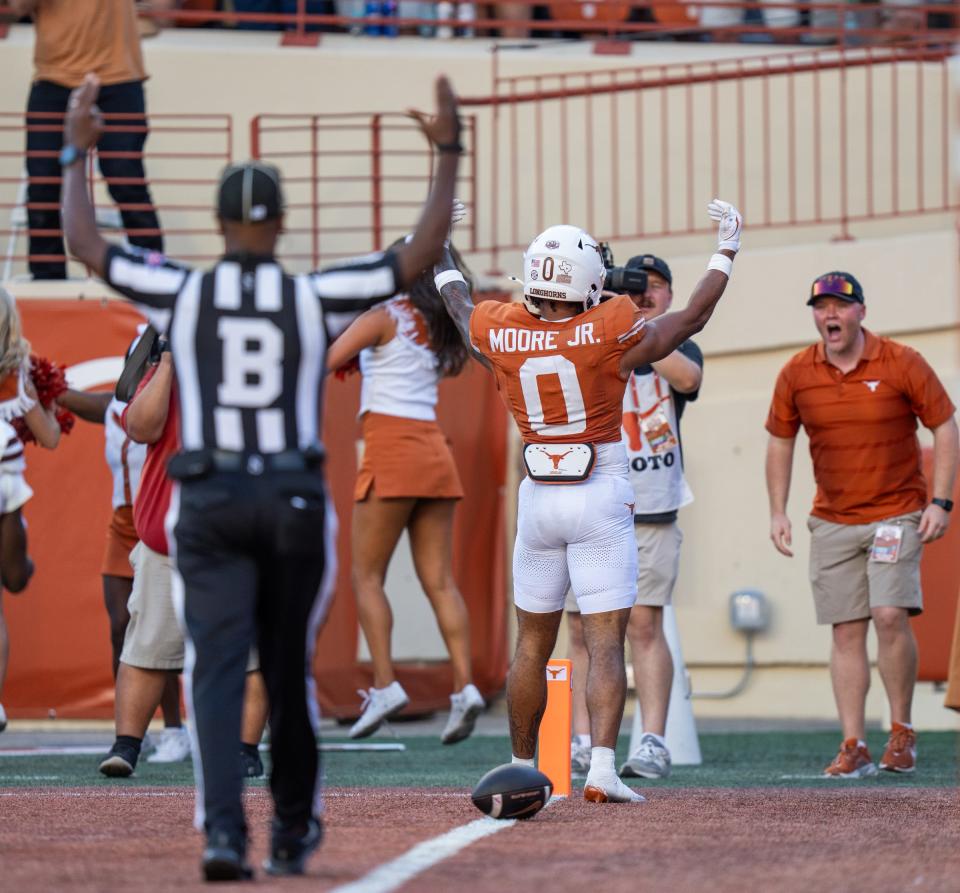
pixel 847 584
pixel 658 563
pixel 154 639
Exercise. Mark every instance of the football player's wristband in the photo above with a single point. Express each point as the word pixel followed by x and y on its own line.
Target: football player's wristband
pixel 448 276
pixel 722 263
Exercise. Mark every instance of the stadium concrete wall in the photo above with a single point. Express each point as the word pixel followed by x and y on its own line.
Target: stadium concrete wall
pixel 908 268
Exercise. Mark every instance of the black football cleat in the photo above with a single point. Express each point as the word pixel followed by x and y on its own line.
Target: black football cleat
pixel 289 852
pixel 224 859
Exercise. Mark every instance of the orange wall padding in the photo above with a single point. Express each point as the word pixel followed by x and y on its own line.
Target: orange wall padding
pixel 59 635
pixel 940 580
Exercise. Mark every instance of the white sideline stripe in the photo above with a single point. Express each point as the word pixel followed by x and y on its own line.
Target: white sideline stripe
pixel 85 750
pixel 424 856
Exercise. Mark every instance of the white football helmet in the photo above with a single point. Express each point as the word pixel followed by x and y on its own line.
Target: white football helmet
pixel 563 263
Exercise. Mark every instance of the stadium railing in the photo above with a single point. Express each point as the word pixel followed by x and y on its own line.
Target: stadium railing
pixel 184 155
pixel 355 181
pixel 817 138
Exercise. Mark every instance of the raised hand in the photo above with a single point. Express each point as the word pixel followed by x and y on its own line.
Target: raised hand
pixel 730 223
pixel 84 121
pixel 443 128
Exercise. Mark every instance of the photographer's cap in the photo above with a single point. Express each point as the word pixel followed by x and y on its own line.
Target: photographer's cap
pixel 836 285
pixel 250 193
pixel 652 264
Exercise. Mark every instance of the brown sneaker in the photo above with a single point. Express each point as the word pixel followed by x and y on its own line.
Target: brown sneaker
pixel 853 761
pixel 900 754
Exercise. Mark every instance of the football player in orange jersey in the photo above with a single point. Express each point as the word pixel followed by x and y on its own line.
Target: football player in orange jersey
pixel 562 360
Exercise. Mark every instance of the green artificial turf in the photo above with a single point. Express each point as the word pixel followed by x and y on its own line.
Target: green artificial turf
pixel 740 760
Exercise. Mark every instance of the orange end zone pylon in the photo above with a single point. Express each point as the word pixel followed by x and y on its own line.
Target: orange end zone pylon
pixel 553 745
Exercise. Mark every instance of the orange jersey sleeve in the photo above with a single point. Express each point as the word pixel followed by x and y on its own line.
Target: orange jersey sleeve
pixel 560 380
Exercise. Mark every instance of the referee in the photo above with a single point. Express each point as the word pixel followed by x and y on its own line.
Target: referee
pixel 253 527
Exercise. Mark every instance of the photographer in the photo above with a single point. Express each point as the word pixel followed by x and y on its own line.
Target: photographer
pixel 652 406
pixel 153 645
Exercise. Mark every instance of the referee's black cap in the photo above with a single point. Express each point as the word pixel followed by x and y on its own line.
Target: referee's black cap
pixel 652 264
pixel 250 193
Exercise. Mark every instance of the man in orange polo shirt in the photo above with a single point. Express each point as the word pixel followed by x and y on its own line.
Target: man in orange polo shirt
pixel 859 397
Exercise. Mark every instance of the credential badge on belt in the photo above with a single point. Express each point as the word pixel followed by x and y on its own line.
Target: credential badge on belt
pixel 559 463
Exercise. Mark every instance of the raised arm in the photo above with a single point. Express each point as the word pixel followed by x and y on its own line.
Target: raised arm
pixel 82 129
pixel 41 421
pixel 443 133
pixel 146 416
pixel 457 299
pixel 665 334
pixel 369 330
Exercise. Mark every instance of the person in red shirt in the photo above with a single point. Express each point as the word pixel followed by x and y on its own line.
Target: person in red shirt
pixel 153 643
pixel 859 398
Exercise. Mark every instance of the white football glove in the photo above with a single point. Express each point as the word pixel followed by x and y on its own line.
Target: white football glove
pixel 457 213
pixel 731 223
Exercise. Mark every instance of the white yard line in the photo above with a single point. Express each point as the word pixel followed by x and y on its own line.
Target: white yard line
pixel 425 856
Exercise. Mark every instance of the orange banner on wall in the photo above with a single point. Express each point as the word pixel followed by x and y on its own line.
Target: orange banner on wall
pixel 59 633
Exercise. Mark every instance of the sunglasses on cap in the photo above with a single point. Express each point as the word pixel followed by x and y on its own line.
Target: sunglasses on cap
pixel 836 285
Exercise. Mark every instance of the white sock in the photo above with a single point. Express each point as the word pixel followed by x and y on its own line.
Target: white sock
pixel 601 760
pixel 522 761
pixel 658 738
pixel 582 740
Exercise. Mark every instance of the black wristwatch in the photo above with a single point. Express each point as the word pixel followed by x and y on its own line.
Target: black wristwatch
pixel 945 504
pixel 70 154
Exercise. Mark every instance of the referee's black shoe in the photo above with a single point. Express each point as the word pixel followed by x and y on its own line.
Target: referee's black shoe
pixel 224 859
pixel 289 851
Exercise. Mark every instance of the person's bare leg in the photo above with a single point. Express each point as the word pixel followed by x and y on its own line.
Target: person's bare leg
pixel 577 652
pixel 431 544
pixel 16 568
pixel 850 674
pixel 116 594
pixel 170 701
pixel 138 696
pixel 527 679
pixel 4 646
pixel 896 659
pixel 256 709
pixel 606 677
pixel 377 525
pixel 652 666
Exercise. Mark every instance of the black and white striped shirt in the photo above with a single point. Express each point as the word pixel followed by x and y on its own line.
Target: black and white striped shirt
pixel 249 341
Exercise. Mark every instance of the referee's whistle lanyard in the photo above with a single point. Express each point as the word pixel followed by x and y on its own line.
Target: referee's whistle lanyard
pixel 653 422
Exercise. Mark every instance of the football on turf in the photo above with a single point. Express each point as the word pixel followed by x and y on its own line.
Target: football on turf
pixel 512 791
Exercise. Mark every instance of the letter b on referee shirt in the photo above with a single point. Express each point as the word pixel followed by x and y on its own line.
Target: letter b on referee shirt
pixel 252 362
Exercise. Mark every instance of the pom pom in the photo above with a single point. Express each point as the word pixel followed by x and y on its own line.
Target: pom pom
pixel 351 367
pixel 50 380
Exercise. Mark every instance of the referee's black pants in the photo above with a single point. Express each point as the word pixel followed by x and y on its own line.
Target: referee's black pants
pixel 251 553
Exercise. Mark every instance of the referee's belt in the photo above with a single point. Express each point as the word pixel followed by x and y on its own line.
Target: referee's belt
pixel 196 464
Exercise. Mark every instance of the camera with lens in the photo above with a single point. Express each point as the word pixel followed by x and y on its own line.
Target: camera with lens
pixel 620 280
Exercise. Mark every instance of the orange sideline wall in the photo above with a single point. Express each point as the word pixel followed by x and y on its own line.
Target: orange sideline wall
pixel 59 635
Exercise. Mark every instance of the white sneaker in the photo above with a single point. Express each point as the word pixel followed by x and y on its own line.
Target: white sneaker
pixel 465 707
pixel 609 789
pixel 579 758
pixel 3 718
pixel 174 746
pixel 378 705
pixel 650 760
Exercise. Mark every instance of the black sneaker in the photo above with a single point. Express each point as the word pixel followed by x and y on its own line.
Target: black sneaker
pixel 120 762
pixel 224 859
pixel 289 852
pixel 251 765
